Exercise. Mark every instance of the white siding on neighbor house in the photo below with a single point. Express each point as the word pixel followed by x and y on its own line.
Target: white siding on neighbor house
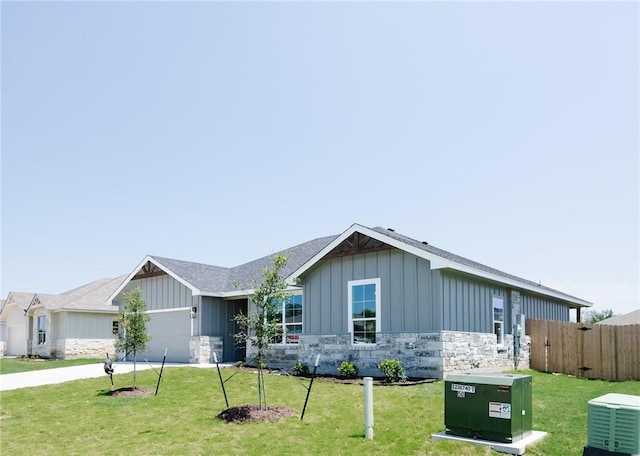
pixel 16 331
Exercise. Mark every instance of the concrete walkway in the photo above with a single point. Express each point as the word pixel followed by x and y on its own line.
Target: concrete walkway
pixel 66 374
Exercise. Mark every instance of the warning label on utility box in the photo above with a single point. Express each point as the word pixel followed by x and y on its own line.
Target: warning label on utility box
pixel 500 410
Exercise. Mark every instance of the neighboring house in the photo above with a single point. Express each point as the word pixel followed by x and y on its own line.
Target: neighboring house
pixel 631 318
pixel 365 295
pixel 74 324
pixel 14 323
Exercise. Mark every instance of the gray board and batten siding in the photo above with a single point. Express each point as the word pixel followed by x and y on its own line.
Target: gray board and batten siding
pixel 404 284
pixel 218 321
pixel 171 326
pixel 414 298
pixel 160 293
pixel 467 303
pixel 456 295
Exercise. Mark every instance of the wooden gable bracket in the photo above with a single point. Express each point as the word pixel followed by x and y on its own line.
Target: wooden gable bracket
pixel 148 270
pixel 357 243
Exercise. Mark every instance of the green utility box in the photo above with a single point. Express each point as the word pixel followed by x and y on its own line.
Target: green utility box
pixel 614 423
pixel 494 407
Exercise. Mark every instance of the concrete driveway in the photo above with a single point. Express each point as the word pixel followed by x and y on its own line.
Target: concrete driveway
pixel 66 374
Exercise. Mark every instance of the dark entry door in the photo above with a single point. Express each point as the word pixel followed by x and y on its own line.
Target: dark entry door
pixel 234 351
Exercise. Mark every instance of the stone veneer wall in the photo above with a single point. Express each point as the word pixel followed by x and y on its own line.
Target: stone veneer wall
pixel 202 348
pixel 464 351
pixel 82 348
pixel 427 355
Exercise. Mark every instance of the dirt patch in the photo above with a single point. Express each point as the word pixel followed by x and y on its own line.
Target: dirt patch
pixel 131 392
pixel 253 414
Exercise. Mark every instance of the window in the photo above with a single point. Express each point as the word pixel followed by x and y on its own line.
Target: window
pixel 498 318
pixel 115 327
pixel 290 317
pixel 364 310
pixel 42 330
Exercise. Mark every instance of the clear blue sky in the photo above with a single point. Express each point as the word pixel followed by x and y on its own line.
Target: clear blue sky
pixel 219 132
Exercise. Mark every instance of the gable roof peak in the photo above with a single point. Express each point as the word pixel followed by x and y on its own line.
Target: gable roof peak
pixel 439 259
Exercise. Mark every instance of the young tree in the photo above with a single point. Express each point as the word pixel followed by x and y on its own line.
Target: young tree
pixel 133 336
pixel 261 326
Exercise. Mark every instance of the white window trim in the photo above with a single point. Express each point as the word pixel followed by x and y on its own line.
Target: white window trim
pixel 350 285
pixel 284 325
pixel 501 339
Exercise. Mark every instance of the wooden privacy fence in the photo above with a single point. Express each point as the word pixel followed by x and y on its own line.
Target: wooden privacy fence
pixel 607 352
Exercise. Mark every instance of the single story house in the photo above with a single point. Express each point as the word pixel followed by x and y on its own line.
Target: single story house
pixel 74 324
pixel 365 295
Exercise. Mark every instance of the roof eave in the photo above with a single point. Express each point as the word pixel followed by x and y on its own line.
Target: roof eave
pixel 242 293
pixel 575 302
pixel 437 262
pixel 195 291
pixel 115 310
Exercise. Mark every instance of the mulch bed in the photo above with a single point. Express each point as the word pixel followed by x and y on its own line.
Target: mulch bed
pixel 382 381
pixel 131 392
pixel 377 381
pixel 253 414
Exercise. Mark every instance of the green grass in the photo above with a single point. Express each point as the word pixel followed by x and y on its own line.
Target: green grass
pixel 77 418
pixel 13 365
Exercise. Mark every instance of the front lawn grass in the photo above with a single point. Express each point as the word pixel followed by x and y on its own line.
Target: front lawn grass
pixel 78 418
pixel 14 365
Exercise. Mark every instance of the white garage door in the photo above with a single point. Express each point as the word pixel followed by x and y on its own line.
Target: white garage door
pixel 17 340
pixel 170 329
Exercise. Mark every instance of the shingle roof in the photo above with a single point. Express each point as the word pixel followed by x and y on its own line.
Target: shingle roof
pixel 215 279
pixel 632 318
pixel 462 260
pixel 90 297
pixel 203 277
pixel 19 298
pixel 208 279
pixel 249 274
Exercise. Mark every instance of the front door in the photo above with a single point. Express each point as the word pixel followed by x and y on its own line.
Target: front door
pixel 234 351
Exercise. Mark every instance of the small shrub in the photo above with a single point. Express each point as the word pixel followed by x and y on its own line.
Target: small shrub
pixel 392 370
pixel 347 369
pixel 300 369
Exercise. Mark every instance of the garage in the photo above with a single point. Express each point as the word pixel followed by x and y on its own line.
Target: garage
pixel 16 340
pixel 170 329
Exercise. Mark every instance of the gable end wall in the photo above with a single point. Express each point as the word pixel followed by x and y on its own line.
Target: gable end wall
pixel 406 292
